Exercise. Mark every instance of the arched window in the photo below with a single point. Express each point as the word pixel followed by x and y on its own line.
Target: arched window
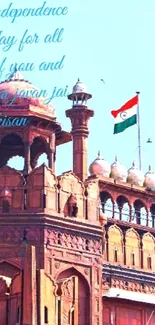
pixel 116 211
pixel 140 213
pixel 5 206
pixel 133 258
pixel 72 316
pixel 45 315
pixel 124 209
pixel 107 204
pixel 115 255
pixel 152 217
pixel 149 262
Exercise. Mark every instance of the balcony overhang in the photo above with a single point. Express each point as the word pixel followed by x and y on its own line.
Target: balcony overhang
pixel 130 295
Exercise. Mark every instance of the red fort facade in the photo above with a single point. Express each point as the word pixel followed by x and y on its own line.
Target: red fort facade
pixel 74 249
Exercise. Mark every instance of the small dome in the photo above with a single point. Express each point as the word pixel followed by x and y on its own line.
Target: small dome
pixel 135 176
pixel 19 91
pixel 79 88
pixel 118 171
pixel 99 167
pixel 149 180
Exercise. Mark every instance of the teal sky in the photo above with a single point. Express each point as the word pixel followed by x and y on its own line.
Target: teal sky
pixel 113 40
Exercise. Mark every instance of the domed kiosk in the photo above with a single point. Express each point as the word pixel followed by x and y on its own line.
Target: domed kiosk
pixel 118 171
pixel 41 134
pixel 135 176
pixel 149 180
pixel 100 167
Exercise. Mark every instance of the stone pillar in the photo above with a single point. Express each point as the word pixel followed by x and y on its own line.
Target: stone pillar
pixel 141 251
pixel 79 118
pixel 29 287
pixel 27 164
pixel 51 159
pixel 96 296
pixel 124 247
pixel 52 153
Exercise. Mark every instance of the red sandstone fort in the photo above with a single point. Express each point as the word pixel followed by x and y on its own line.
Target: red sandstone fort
pixel 74 249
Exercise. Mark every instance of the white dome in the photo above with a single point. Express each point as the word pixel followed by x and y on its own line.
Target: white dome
pixel 100 167
pixel 149 180
pixel 118 171
pixel 135 176
pixel 79 88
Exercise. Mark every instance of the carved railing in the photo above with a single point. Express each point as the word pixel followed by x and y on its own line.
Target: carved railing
pixel 129 215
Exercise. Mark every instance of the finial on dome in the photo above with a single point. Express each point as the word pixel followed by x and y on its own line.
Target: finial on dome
pixel 149 181
pixel 135 176
pixel 118 171
pixel 99 166
pixel 79 94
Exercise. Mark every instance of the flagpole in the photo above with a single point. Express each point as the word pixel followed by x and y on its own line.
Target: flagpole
pixel 139 138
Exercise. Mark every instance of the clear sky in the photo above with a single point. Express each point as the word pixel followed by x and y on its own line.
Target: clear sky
pixel 113 40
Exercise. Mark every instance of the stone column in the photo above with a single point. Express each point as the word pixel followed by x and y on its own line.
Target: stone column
pixel 27 164
pixel 51 159
pixel 79 117
pixel 52 153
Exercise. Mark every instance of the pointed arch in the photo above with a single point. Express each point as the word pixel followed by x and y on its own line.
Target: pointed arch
pixel 132 248
pixel 124 207
pixel 115 243
pixel 152 216
pixel 76 285
pixel 72 270
pixel 148 251
pixel 140 213
pixel 107 203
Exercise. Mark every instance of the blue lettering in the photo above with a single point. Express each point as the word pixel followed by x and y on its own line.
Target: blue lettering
pixel 32 93
pixel 26 12
pixel 16 95
pixel 56 37
pixel 65 11
pixel 52 65
pixel 18 13
pixel 65 91
pixel 8 42
pixel 44 66
pixel 23 94
pixel 4 94
pixel 43 93
pixel 2 64
pixel 21 67
pixel 15 121
pixel 38 12
pixel 60 11
pixel 48 100
pixel 47 11
pixel 24 121
pixel 58 65
pixel 60 93
pixel 6 11
pixel 27 40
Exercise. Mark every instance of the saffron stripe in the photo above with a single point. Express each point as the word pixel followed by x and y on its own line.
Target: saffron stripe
pixel 126 106
pixel 120 127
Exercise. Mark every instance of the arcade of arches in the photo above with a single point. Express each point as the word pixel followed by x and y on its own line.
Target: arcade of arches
pixel 129 248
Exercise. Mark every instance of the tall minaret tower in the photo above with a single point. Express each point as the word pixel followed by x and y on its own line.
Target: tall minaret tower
pixel 79 115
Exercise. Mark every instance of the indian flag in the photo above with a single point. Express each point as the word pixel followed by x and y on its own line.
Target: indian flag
pixel 125 116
